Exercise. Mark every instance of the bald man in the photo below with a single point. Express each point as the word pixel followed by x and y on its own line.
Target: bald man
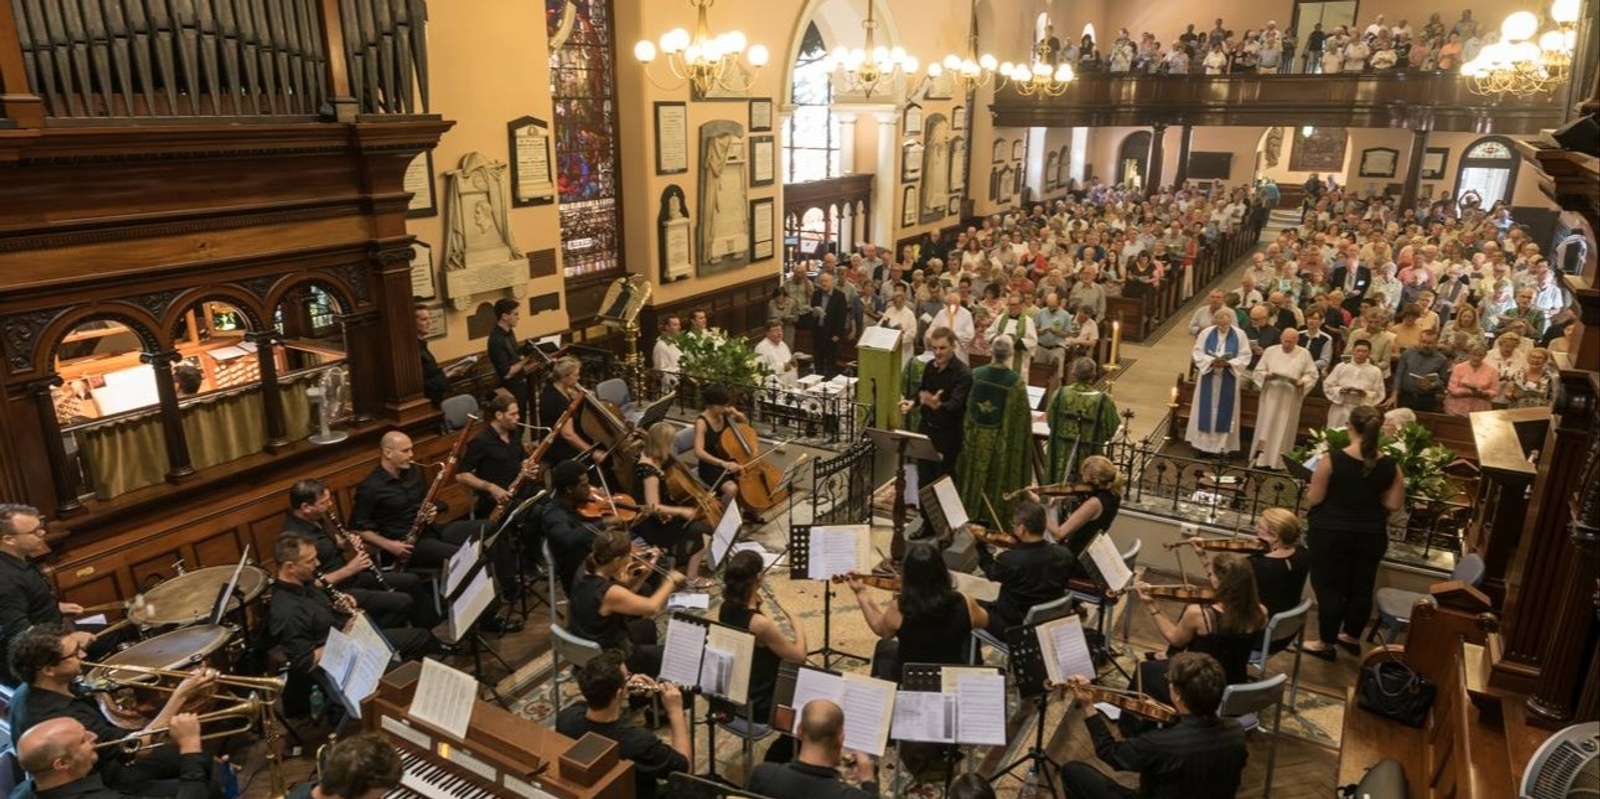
pixel 815 773
pixel 59 756
pixel 387 502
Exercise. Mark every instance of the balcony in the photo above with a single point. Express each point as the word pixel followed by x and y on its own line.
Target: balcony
pixel 1437 101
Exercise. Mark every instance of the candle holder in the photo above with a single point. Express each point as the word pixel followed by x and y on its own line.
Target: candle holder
pixel 1172 418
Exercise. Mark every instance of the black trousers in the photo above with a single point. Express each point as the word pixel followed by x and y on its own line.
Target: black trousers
pixel 1344 568
pixel 644 654
pixel 1079 780
pixel 826 352
pixel 948 442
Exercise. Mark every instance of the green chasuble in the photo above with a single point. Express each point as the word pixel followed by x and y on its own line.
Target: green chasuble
pixel 1081 416
pixel 995 456
pixel 910 379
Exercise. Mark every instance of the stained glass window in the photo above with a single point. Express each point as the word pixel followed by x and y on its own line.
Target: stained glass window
pixel 1489 148
pixel 811 140
pixel 583 86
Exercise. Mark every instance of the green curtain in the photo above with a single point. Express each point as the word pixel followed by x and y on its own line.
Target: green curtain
pixel 124 455
pixel 298 420
pixel 224 429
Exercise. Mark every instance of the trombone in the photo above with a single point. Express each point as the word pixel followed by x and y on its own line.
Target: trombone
pixel 243 716
pixel 268 685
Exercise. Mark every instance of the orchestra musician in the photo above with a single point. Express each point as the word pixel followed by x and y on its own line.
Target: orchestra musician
pixel 60 758
pixel 400 597
pixel 48 658
pixel 358 767
pixel 605 682
pixel 604 607
pixel 1096 512
pixel 492 460
pixel 553 402
pixel 814 774
pixel 676 529
pixel 1200 757
pixel 715 467
pixel 1281 567
pixel 435 380
pixel 1226 629
pixel 26 597
pixel 505 353
pixel 389 500
pixel 1031 573
pixel 569 536
pixel 741 608
pixel 928 622
pixel 302 612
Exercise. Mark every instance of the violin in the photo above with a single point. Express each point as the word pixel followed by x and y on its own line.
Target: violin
pixel 993 538
pixel 1188 594
pixel 641 562
pixel 1141 705
pixel 882 582
pixel 1055 490
pixel 1246 545
pixel 600 505
pixel 760 483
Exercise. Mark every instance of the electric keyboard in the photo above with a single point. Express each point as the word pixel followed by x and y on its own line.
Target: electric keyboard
pixel 422 778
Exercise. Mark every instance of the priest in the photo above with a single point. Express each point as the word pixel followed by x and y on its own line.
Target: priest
pixel 1285 374
pixel 1221 357
pixel 994 452
pixel 1081 418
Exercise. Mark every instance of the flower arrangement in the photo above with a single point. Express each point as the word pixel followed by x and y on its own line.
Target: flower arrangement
pixel 714 358
pixel 1421 461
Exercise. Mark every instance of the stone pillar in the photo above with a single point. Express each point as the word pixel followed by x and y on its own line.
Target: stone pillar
pixel 847 142
pixel 62 475
pixel 271 397
pixel 1419 147
pixel 178 465
pixel 1184 140
pixel 886 181
pixel 1152 178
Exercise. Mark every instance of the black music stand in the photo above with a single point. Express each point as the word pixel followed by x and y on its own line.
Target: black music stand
pixel 1026 662
pixel 471 634
pixel 526 596
pixel 929 677
pixel 1100 644
pixel 903 443
pixel 800 569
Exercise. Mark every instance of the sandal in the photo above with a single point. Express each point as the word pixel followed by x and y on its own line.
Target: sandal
pixel 701 583
pixel 1330 654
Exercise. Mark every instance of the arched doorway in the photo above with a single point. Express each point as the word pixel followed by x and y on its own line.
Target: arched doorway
pixel 1488 169
pixel 1133 159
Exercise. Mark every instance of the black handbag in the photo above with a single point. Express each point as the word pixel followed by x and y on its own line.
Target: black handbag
pixel 1390 688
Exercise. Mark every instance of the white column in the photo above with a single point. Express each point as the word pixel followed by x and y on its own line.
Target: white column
pixel 1079 153
pixel 781 137
pixel 1035 164
pixel 886 179
pixel 847 142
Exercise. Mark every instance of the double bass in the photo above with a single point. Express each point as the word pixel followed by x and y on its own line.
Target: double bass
pixel 760 483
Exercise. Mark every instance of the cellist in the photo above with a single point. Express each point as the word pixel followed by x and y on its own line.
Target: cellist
pixel 677 529
pixel 716 468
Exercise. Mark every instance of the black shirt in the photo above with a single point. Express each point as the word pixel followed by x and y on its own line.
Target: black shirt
pixel 328 552
pixel 434 382
pixel 1031 573
pixel 763 664
pixel 503 354
pixel 553 403
pixel 31 706
pixel 387 505
pixel 298 619
pixel 1354 501
pixel 939 634
pixel 652 758
pixel 25 600
pixel 1281 581
pixel 1197 758
pixel 955 380
pixel 194 782
pixel 492 459
pixel 1080 539
pixel 796 780
pixel 570 539
pixel 583 612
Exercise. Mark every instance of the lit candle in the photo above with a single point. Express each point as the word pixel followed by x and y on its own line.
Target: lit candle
pixel 1116 342
pixel 1174 400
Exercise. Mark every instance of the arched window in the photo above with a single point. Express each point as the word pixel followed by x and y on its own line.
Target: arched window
pixel 811 136
pixel 1134 155
pixel 1489 169
pixel 583 88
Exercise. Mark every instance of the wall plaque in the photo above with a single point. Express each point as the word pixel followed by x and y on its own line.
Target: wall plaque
pixel 672 138
pixel 676 240
pixel 419 181
pixel 531 183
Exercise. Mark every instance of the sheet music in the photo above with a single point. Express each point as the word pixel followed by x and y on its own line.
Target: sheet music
pixel 879 338
pixel 97 620
pixel 354 667
pixel 976 586
pixel 950 676
pixel 924 716
pixel 369 638
pixel 680 657
pixel 981 709
pixel 1065 649
pixel 944 490
pixel 456 569
pixel 472 602
pixel 868 706
pixel 740 648
pixel 338 658
pixel 837 550
pixel 767 558
pixel 716 672
pixel 812 684
pixel 1109 561
pixel 688 600
pixel 727 529
pixel 444 698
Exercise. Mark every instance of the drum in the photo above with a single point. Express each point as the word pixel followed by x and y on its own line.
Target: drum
pixel 191 597
pixel 131 707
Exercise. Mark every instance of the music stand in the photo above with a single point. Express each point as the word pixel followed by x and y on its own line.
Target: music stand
pixel 800 569
pixel 465 618
pixel 903 443
pixel 522 606
pixel 1026 662
pixel 929 677
pixel 1100 644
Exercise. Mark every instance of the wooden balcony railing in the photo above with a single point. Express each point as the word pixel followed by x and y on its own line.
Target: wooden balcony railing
pixel 1440 101
pixel 102 60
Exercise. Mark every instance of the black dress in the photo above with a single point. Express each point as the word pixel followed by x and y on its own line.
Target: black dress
pixel 939 634
pixel 763 664
pixel 1110 503
pixel 679 538
pixel 553 403
pixel 634 637
pixel 1281 581
pixel 713 473
pixel 1232 651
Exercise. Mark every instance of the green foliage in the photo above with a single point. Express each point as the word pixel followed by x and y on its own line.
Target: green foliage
pixel 713 358
pixel 1420 460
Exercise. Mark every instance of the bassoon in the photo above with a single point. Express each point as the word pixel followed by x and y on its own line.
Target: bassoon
pixel 449 469
pixel 532 459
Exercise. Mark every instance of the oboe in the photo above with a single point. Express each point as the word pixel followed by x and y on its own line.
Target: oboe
pixel 357 548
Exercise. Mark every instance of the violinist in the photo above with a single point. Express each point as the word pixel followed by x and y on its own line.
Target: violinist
pixel 1282 567
pixel 1200 757
pixel 741 608
pixel 674 528
pixel 716 468
pixel 604 608
pixel 570 536
pixel 1226 629
pixel 1031 573
pixel 928 622
pixel 553 402
pixel 1095 513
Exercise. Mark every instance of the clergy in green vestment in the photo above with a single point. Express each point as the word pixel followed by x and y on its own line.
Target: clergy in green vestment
pixel 1081 419
pixel 909 380
pixel 995 456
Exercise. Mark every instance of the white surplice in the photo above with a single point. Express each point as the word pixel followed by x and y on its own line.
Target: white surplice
pixel 1214 413
pixel 1284 379
pixel 1347 374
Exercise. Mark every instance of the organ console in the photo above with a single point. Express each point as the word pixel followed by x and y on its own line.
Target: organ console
pixel 503 754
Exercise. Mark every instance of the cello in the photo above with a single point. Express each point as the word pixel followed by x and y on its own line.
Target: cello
pixel 760 483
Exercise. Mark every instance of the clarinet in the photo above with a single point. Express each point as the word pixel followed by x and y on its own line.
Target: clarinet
pixel 341 601
pixel 357 548
pixel 438 484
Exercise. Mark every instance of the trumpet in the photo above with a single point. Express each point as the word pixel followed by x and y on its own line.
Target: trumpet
pixel 267 685
pixel 242 715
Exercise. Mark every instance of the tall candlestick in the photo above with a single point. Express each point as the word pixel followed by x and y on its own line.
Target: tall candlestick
pixel 1174 401
pixel 1116 342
